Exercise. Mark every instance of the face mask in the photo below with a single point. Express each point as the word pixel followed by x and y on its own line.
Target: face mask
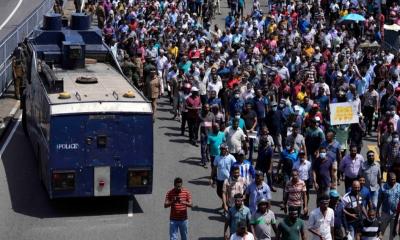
pixel 288 147
pixel 237 117
pixel 274 108
pixel 237 96
pixel 281 105
pixel 396 140
pixel 322 155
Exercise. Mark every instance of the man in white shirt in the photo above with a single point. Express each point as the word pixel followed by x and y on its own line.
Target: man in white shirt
pixel 235 137
pixel 322 221
pixel 162 62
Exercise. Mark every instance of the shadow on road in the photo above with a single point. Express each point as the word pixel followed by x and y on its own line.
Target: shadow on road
pixel 217 218
pixel 29 197
pixel 206 210
pixel 172 134
pixel 202 181
pixel 165 119
pixel 192 161
pixel 171 128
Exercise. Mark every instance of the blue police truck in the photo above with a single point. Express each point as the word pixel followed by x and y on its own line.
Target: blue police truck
pixel 90 128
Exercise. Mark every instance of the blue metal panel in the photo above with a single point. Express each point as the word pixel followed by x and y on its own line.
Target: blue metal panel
pixel 129 145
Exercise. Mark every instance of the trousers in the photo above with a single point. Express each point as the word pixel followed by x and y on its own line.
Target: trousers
pixel 181 226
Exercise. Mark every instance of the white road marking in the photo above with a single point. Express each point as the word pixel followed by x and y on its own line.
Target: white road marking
pixel 11 14
pixel 130 208
pixel 3 148
pixel 14 109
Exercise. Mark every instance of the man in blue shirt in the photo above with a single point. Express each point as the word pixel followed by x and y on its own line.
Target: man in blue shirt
pixel 222 168
pixel 257 190
pixel 260 106
pixel 236 104
pixel 388 199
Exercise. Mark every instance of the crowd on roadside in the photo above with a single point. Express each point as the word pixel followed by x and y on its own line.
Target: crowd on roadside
pixel 261 86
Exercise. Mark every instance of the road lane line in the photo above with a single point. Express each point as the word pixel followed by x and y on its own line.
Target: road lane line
pixel 14 109
pixel 3 148
pixel 11 14
pixel 375 149
pixel 130 208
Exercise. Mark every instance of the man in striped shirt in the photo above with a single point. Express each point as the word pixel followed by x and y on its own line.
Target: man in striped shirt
pixel 179 199
pixel 370 228
pixel 245 168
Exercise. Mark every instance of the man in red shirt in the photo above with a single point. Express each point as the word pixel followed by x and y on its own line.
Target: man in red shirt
pixel 179 199
pixel 193 105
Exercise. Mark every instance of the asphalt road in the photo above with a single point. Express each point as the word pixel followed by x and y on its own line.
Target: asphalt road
pixel 27 213
pixel 23 11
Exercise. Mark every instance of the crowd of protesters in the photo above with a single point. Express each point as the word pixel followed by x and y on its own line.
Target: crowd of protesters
pixel 261 86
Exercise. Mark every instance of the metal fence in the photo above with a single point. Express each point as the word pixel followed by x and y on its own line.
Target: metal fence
pixel 8 45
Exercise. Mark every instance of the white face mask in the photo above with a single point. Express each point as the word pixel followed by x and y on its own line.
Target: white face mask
pixel 322 155
pixel 237 116
pixel 237 96
pixel 274 108
pixel 395 139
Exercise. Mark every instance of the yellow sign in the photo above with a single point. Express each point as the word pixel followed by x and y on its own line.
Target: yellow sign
pixel 343 113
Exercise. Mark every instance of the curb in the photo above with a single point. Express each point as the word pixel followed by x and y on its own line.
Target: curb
pixel 6 121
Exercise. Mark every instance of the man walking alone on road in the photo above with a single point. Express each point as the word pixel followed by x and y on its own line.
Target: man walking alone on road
pixel 179 199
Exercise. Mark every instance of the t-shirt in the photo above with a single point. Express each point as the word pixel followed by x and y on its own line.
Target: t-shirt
pixel 195 103
pixel 246 171
pixel 298 141
pixel 215 141
pixel 370 230
pixel 249 119
pixel 234 139
pixel 290 230
pixel 322 224
pixel 178 210
pixel 295 192
pixel 257 192
pixel 332 149
pixel 352 205
pixel 248 236
pixel 262 224
pixel 303 169
pixel 323 170
pixel 232 187
pixel 224 165
pixel 238 215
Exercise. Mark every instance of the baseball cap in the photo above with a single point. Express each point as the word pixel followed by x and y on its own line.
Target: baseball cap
pixel 334 193
pixel 194 89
